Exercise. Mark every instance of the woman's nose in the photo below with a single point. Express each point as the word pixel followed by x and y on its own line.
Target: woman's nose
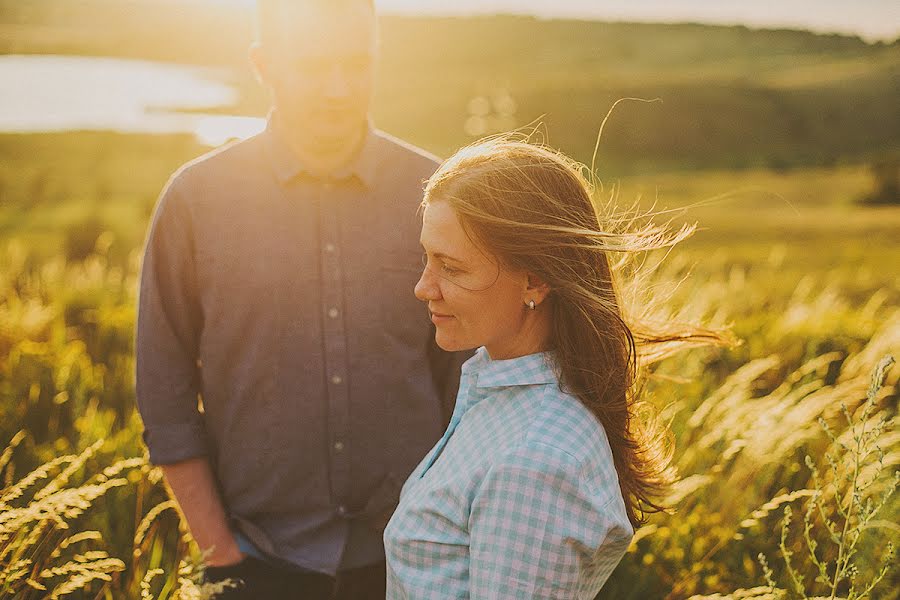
pixel 427 287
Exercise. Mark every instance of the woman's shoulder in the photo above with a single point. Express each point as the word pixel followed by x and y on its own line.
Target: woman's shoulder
pixel 562 420
pixel 573 464
pixel 562 430
pixel 550 436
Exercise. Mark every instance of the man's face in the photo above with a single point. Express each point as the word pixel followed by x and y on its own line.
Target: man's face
pixel 320 68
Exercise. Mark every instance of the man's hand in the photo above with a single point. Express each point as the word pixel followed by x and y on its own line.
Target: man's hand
pixel 226 557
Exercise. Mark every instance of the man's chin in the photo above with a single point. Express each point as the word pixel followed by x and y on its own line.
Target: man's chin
pixel 338 131
pixel 337 126
pixel 328 131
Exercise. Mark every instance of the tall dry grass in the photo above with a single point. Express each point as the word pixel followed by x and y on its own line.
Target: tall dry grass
pixel 89 519
pixel 45 552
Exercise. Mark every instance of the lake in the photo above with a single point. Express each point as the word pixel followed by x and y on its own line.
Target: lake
pixel 64 93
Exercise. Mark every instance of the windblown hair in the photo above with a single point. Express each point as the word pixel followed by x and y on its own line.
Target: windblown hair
pixel 531 208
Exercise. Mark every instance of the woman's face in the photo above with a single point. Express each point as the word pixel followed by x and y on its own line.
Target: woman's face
pixel 474 301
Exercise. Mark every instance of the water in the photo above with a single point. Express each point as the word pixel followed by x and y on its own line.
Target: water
pixel 63 93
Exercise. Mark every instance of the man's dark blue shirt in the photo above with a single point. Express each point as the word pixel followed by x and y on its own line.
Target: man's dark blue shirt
pixel 278 336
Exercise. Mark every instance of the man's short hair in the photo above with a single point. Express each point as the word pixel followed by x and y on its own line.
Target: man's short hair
pixel 268 12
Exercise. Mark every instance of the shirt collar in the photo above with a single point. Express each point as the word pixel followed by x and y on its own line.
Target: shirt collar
pixel 287 166
pixel 531 369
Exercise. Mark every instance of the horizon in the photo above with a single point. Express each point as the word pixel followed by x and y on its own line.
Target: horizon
pixel 871 20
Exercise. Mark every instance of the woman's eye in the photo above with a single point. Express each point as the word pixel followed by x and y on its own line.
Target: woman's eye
pixel 441 267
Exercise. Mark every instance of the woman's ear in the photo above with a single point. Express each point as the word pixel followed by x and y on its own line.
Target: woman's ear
pixel 257 56
pixel 537 289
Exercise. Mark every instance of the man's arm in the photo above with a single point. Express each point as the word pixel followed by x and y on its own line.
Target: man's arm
pixel 194 487
pixel 169 323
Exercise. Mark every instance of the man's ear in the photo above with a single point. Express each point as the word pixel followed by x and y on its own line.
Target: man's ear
pixel 537 289
pixel 257 56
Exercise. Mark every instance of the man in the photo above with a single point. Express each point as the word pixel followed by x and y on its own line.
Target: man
pixel 277 288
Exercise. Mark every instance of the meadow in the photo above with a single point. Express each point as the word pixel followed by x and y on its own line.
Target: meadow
pixel 765 139
pixel 803 275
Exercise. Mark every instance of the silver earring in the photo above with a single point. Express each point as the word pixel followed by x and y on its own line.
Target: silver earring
pixel 531 305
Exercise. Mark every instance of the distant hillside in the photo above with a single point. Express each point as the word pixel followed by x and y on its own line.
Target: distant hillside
pixel 731 96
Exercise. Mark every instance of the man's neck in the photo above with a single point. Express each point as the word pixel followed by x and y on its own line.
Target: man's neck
pixel 324 158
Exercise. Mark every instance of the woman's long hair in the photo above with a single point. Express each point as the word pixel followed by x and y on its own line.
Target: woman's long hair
pixel 531 208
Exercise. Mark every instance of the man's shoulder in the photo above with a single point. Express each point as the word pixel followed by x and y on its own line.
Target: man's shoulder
pixel 238 158
pixel 396 150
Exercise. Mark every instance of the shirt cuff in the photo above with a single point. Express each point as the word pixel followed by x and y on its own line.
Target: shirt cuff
pixel 170 444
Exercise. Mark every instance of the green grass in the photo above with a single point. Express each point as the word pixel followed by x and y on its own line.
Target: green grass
pixel 803 222
pixel 59 188
pixel 56 187
pixel 805 276
pixel 763 138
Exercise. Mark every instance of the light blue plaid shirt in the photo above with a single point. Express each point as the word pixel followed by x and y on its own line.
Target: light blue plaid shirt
pixel 519 499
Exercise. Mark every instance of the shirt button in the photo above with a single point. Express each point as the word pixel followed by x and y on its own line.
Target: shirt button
pixel 333 313
pixel 337 380
pixel 329 248
pixel 342 510
pixel 339 446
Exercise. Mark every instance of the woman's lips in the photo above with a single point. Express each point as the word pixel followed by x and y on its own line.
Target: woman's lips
pixel 438 318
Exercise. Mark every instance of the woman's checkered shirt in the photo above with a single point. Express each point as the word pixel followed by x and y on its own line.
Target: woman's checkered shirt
pixel 519 499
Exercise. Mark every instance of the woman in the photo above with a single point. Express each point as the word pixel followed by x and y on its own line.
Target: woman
pixel 544 472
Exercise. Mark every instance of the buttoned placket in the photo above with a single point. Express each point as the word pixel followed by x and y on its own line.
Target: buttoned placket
pixel 335 342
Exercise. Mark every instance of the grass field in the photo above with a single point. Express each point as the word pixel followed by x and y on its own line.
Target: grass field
pixel 764 138
pixel 805 276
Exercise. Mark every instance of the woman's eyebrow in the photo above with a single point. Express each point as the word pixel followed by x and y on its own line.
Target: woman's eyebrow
pixel 442 256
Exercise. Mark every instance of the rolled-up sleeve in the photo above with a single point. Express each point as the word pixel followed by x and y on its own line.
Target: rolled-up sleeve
pixel 540 530
pixel 169 322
